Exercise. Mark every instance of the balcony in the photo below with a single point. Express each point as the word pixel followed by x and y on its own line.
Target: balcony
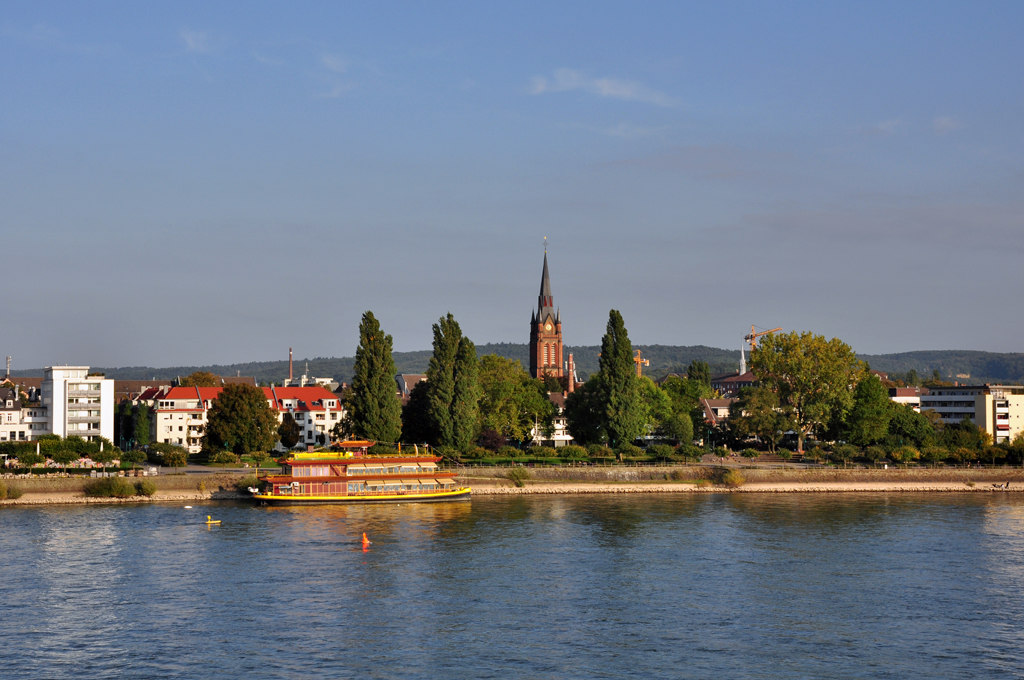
pixel 83 393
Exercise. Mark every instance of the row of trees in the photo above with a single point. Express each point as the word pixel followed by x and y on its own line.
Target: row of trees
pixel 469 401
pixel 807 385
pixel 63 452
pixel 464 400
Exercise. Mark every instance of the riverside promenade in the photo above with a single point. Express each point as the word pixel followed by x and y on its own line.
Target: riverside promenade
pixel 224 484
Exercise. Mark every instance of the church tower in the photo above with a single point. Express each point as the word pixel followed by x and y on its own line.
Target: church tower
pixel 546 332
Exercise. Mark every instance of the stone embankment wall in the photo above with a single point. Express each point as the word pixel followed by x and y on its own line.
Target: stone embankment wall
pixel 164 482
pixel 755 475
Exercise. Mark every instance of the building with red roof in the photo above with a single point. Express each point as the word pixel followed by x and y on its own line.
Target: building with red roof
pixel 180 414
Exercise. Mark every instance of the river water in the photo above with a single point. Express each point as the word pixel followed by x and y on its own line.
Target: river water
pixel 737 586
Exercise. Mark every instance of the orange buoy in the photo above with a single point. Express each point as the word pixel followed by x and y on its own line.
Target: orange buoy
pixel 366 541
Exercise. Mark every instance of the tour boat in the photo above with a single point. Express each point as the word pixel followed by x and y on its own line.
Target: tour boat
pixel 350 475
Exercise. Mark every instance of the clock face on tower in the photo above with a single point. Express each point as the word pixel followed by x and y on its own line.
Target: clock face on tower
pixel 547 326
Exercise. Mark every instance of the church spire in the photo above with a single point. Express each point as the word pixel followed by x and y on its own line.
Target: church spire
pixel 546 330
pixel 545 300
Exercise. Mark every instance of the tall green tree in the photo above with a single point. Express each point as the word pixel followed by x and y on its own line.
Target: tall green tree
pixel 813 377
pixel 686 394
pixel 241 420
pixel 907 427
pixel 868 422
pixel 584 412
pixel 699 372
pixel 140 425
pixel 452 389
pixel 657 407
pixel 417 426
pixel 375 406
pixel 288 431
pixel 511 402
pixel 757 413
pixel 624 408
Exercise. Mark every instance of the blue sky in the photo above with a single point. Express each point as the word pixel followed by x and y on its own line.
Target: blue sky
pixel 188 183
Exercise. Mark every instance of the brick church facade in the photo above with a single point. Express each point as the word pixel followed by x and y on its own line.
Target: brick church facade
pixel 546 333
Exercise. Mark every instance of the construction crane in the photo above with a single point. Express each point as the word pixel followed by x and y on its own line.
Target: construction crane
pixel 754 335
pixel 640 361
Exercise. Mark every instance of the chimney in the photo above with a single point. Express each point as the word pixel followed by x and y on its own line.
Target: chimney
pixel 290 363
pixel 572 374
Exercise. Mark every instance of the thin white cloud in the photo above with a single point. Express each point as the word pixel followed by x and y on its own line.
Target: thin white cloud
pixel 48 37
pixel 943 125
pixel 195 41
pixel 629 131
pixel 333 62
pixel 266 60
pixel 566 79
pixel 885 128
pixel 336 91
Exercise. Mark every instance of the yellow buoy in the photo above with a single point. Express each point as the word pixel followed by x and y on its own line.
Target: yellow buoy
pixel 212 521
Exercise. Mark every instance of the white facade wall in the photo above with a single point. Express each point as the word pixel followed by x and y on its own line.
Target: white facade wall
pixel 77 404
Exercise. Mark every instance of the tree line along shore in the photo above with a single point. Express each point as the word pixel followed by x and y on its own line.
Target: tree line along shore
pixel 813 400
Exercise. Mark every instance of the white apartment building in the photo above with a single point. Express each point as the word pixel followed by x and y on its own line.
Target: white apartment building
pixel 560 428
pixel 179 416
pixel 74 404
pixel 998 409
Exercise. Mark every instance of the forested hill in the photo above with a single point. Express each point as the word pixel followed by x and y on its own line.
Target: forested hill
pixel 970 366
pixel 960 365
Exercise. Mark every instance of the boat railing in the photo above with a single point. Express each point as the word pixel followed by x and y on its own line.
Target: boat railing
pixel 397 492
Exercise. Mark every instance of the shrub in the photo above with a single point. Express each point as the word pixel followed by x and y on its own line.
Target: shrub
pixel 226 457
pixel 663 451
pixel 243 483
pixel 448 453
pixel 542 451
pixel 201 487
pixel 478 452
pixel 676 476
pixel 600 451
pixel 733 478
pixel 874 454
pixel 3 491
pixel 844 453
pixel 132 457
pixel 691 452
pixel 721 452
pixel 702 482
pixel 509 451
pixel 517 475
pixel 905 454
pixel 145 487
pixel 815 454
pixel 630 450
pixel 934 454
pixel 573 452
pixel 110 487
pixel 15 492
pixel 750 453
pixel 785 454
pixel 964 454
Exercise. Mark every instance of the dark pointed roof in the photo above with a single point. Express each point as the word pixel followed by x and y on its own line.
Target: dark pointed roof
pixel 545 279
pixel 545 301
